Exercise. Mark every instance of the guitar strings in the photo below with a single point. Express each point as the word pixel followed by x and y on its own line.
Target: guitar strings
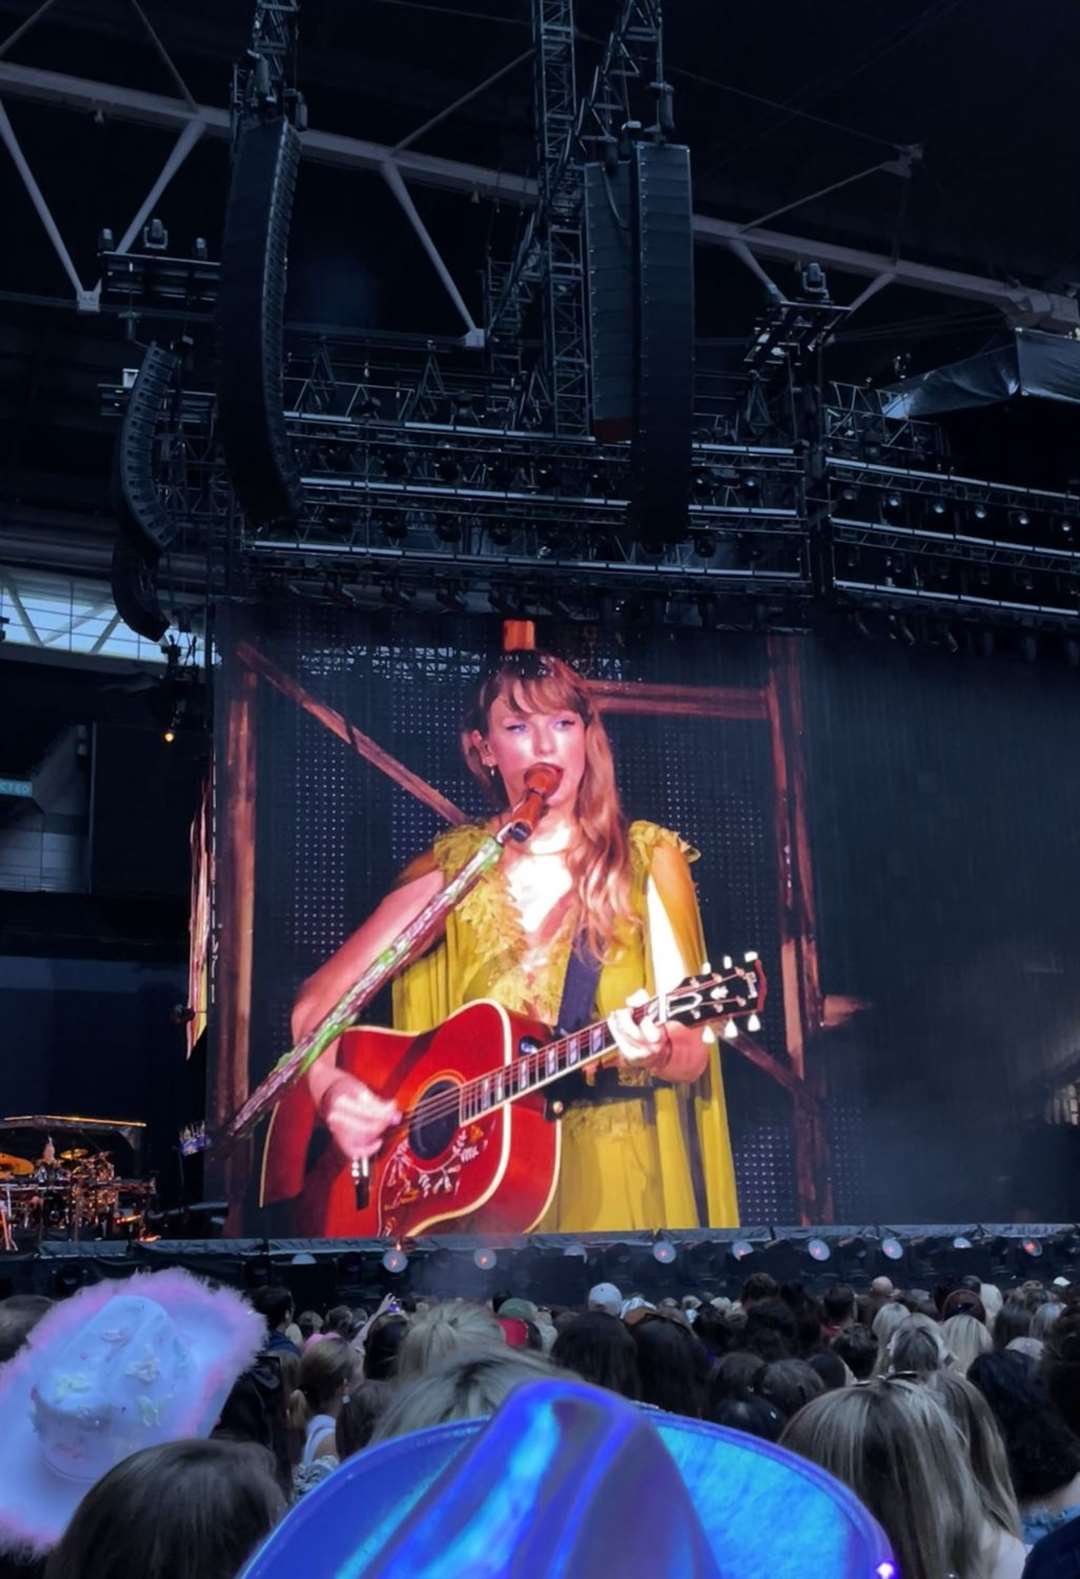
pixel 429 1109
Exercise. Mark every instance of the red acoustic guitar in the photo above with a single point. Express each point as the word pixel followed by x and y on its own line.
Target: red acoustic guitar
pixel 476 1148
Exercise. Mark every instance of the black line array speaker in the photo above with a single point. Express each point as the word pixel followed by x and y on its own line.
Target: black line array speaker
pixel 611 249
pixel 664 325
pixel 143 526
pixel 640 249
pixel 251 315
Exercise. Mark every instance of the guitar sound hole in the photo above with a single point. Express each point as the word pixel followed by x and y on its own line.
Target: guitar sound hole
pixel 431 1133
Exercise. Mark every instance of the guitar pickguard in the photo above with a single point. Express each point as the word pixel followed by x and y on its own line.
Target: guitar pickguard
pixel 406 1180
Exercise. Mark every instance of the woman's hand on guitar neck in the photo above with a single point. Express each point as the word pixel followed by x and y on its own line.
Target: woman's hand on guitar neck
pixel 356 1118
pixel 671 1051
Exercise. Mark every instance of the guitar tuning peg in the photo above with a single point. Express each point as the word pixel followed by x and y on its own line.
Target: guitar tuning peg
pixel 708 1036
pixel 706 968
pixel 718 993
pixel 727 962
pixel 753 1023
pixel 731 1031
pixel 751 956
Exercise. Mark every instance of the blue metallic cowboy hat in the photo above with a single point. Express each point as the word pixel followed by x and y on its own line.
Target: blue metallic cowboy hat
pixel 567 1480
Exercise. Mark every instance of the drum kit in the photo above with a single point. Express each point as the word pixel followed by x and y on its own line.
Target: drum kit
pixel 72 1194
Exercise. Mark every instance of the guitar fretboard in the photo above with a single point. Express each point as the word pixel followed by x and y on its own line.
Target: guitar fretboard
pixel 531 1071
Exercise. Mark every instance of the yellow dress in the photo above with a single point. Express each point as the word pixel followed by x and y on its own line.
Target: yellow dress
pixel 625 1165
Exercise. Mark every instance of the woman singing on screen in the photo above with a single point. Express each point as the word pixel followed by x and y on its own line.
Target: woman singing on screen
pixel 621 895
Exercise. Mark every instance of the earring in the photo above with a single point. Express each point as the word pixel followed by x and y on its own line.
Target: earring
pixel 492 770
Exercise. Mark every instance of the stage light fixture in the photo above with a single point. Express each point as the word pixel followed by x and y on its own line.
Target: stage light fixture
pixel 394 464
pixel 1021 519
pixel 849 493
pixel 450 597
pixel 393 528
pixel 891 502
pixel 938 507
pixel 741 1249
pixel 395 1261
pixel 1066 527
pixel 447 468
pixel 818 1250
pixel 485 1259
pixel 979 512
pixel 892 1249
pixel 302 1258
pixel 704 544
pixel 962 1242
pixel 664 1252
pixel 448 529
pixel 1032 1248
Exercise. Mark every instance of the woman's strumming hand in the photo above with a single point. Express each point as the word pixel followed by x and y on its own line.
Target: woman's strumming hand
pixel 356 1118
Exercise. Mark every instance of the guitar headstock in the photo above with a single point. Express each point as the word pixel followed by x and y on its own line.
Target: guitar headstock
pixel 734 992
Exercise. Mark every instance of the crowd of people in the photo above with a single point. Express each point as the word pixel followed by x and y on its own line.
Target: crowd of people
pixel 952 1413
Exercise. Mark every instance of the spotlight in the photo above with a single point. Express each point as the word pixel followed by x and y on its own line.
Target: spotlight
pixel 741 1249
pixel 664 1252
pixel 169 736
pixel 891 501
pixel 704 544
pixel 962 1242
pixel 938 507
pixel 1066 528
pixel 979 512
pixel 849 493
pixel 450 597
pixel 818 1250
pixel 702 484
pixel 1032 1248
pixel 485 1259
pixel 396 1260
pixel 750 484
pixel 1021 518
pixel 892 1249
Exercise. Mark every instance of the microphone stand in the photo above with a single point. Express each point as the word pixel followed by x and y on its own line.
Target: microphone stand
pixel 520 824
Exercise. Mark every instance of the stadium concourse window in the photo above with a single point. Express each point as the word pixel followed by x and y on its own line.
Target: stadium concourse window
pixel 64 614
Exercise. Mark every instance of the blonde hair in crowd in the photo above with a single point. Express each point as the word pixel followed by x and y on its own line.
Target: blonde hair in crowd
pixel 467 1386
pixel 599 862
pixel 967 1337
pixel 892 1442
pixel 441 1331
pixel 891 1316
pixel 973 1418
pixel 326 1369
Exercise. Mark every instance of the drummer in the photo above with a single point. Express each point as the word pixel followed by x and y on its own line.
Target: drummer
pixel 47 1169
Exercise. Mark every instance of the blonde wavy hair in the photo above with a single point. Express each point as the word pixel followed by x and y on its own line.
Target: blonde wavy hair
pixel 895 1445
pixel 443 1331
pixel 599 858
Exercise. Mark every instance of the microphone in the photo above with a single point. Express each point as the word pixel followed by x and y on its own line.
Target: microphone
pixel 541 782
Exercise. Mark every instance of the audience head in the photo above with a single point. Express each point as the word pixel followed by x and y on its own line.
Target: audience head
pixel 971 1414
pixel 734 1375
pixel 1044 1318
pixel 1060 1367
pixel 601 1350
pixel 468 1384
pixel 917 1346
pixel 755 1416
pixel 992 1299
pixel 808 1318
pixel 441 1331
pixel 360 1414
pixel 1013 1320
pixel 275 1304
pixel 340 1319
pixel 858 1348
pixel 831 1369
pixel 606 1297
pixel 771 1330
pixel 963 1302
pixel 838 1304
pixel 669 1365
pixel 713 1330
pixel 889 1317
pixel 382 1346
pixel 1043 1453
pixel 183 1510
pixel 895 1446
pixel 967 1338
pixel 788 1384
pixel 309 1322
pixel 758 1286
pixel 327 1373
pixel 19 1315
pixel 882 1288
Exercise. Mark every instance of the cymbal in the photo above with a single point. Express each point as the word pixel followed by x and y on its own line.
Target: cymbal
pixel 74 1155
pixel 9 1164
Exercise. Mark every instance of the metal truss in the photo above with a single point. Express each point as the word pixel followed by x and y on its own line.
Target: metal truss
pixel 1018 303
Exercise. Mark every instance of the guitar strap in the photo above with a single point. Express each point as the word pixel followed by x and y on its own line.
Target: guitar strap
pixel 579 988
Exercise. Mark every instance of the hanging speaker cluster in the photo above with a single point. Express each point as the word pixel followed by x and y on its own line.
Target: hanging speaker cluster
pixel 144 527
pixel 251 321
pixel 639 238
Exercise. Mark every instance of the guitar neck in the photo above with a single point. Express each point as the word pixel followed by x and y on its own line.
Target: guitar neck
pixel 532 1071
